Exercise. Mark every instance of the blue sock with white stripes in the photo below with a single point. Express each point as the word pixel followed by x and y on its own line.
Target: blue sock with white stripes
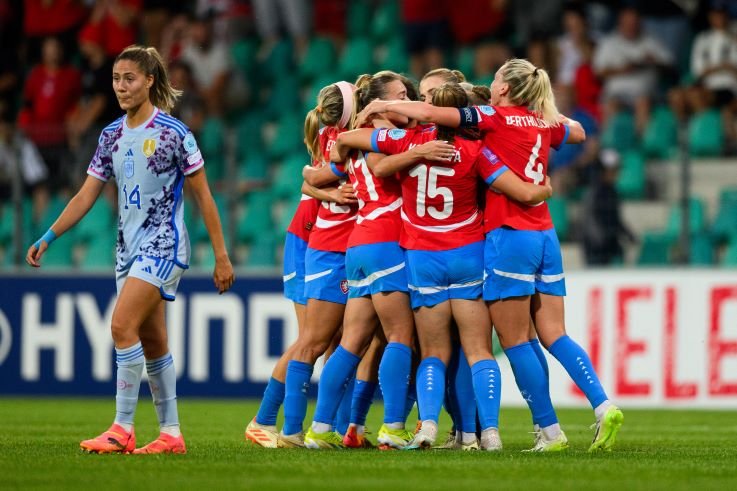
pixel 295 398
pixel 487 387
pixel 578 365
pixel 537 347
pixel 162 379
pixel 462 393
pixel 363 396
pixel 430 387
pixel 530 378
pixel 343 418
pixel 130 368
pixel 394 371
pixel 337 373
pixel 270 403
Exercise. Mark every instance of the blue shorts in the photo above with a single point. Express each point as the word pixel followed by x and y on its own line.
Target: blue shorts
pixel 294 269
pixel 325 276
pixel 437 276
pixel 374 268
pixel 161 273
pixel 521 262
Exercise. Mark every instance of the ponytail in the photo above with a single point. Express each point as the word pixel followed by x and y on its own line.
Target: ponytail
pixel 331 110
pixel 312 127
pixel 161 94
pixel 530 86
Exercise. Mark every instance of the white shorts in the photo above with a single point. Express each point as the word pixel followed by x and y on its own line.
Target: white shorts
pixel 162 273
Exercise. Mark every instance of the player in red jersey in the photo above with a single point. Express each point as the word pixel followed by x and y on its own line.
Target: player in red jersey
pixel 443 235
pixel 335 115
pixel 522 255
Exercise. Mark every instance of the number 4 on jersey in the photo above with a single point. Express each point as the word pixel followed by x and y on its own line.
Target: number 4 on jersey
pixel 534 169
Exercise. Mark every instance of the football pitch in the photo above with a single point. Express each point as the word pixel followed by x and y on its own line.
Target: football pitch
pixel 666 449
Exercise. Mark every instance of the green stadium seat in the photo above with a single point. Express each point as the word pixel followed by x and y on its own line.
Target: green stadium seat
pixel 257 217
pixel 287 213
pixel 248 133
pixel 279 61
pixel 287 137
pixel 243 53
pixel 725 223
pixel 288 178
pixel 465 60
pixel 319 58
pixel 396 57
pixel 98 221
pixel 631 181
pixel 385 21
pixel 697 220
pixel 559 213
pixel 357 58
pixel 212 144
pixel 619 132
pixel 284 98
pixel 61 253
pixel 196 226
pixel 655 249
pixel 48 217
pixel 358 13
pixel 316 86
pixel 702 250
pixel 262 253
pixel 100 253
pixel 253 167
pixel 706 134
pixel 730 254
pixel 660 140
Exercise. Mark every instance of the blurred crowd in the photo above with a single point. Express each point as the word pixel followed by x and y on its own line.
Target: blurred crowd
pixel 625 69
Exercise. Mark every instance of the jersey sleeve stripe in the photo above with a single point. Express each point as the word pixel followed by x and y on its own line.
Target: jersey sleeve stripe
pixel 173 120
pixel 172 123
pixel 565 136
pixel 91 172
pixel 490 180
pixel 375 140
pixel 189 170
pixel 335 170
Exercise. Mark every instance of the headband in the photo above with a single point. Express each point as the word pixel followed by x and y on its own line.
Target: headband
pixel 346 90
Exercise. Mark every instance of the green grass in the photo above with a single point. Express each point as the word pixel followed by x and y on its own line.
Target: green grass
pixel 39 448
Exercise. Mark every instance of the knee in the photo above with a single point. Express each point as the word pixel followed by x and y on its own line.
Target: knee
pixel 123 333
pixel 509 340
pixel 309 350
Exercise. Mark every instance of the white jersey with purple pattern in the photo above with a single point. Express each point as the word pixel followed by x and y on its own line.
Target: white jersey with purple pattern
pixel 149 163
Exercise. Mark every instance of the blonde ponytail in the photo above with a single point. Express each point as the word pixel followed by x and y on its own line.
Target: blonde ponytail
pixel 530 86
pixel 312 127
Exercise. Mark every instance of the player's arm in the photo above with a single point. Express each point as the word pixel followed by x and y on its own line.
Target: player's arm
pixel 420 111
pixel 323 175
pixel 521 191
pixel 360 139
pixel 77 207
pixel 223 274
pixel 576 133
pixel 387 165
pixel 342 194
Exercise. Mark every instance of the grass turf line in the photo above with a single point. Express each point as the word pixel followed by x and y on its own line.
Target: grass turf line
pixel 673 450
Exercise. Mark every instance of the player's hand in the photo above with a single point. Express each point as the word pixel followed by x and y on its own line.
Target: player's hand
pixel 223 275
pixel 437 150
pixel 346 194
pixel 33 256
pixel 336 155
pixel 548 187
pixel 377 106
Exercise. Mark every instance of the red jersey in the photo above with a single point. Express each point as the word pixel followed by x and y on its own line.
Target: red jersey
pixel 51 96
pixel 334 222
pixel 379 201
pixel 522 141
pixel 440 210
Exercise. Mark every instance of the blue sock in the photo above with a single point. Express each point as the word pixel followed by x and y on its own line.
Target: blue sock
pixel 363 395
pixel 130 368
pixel 270 403
pixel 578 365
pixel 530 378
pixel 394 371
pixel 535 343
pixel 162 379
pixel 295 396
pixel 338 371
pixel 430 388
pixel 411 399
pixel 462 392
pixel 343 418
pixel 487 387
pixel 450 402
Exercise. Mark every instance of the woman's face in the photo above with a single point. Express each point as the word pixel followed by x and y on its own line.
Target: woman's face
pixel 498 88
pixel 130 84
pixel 428 86
pixel 395 91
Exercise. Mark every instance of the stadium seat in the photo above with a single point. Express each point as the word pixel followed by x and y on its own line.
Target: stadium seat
pixel 100 253
pixel 465 60
pixel 319 58
pixel 702 250
pixel 655 249
pixel 288 136
pixel 253 167
pixel 7 223
pixel 316 86
pixel 395 56
pixel 730 254
pixel 257 217
pixel 248 134
pixel 48 217
pixel 279 61
pixel 385 21
pixel 212 144
pixel 243 54
pixel 357 58
pixel 288 177
pixel 632 179
pixel 725 223
pixel 98 221
pixel 61 253
pixel 660 140
pixel 559 213
pixel 262 253
pixel 283 99
pixel 358 13
pixel 705 134
pixel 619 132
pixel 697 220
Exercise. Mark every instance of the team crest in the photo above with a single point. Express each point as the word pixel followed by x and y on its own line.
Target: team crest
pixel 396 134
pixel 128 164
pixel 149 147
pixel 488 110
pixel 344 286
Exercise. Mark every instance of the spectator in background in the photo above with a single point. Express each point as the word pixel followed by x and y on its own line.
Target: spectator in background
pixel 571 45
pixel 98 104
pixel 602 226
pixel 330 19
pixel 628 61
pixel 274 15
pixel 115 21
pixel 57 18
pixel 571 165
pixel 425 30
pixel 156 16
pixel 210 63
pixel 533 18
pixel 541 52
pixel 586 84
pixel 51 92
pixel 668 22
pixel 714 67
pixel 19 157
pixel 191 107
pixel 175 37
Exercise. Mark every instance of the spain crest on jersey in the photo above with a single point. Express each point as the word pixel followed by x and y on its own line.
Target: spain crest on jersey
pixel 128 162
pixel 149 147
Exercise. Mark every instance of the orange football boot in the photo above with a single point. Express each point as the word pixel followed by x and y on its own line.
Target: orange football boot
pixel 114 440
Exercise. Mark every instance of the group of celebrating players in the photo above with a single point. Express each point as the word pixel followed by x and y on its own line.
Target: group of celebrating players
pixel 441 233
pixel 421 226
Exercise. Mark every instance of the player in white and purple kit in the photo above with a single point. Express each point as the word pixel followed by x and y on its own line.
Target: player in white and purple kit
pixel 150 154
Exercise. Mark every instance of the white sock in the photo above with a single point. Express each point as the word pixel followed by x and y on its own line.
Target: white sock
pixel 395 426
pixel 172 430
pixel 536 428
pixel 601 409
pixel 468 437
pixel 321 427
pixel 430 426
pixel 360 429
pixel 551 432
